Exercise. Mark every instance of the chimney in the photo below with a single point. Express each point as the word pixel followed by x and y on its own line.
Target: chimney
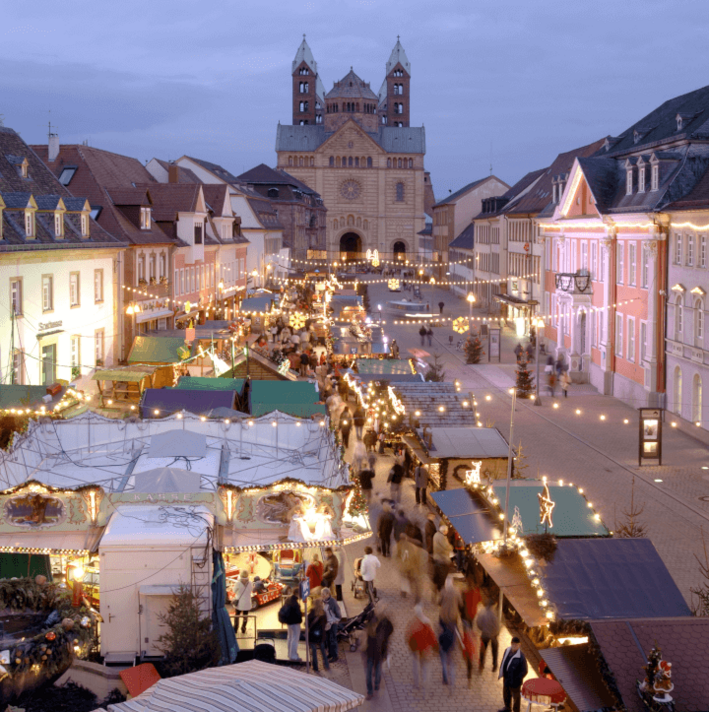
pixel 173 173
pixel 53 146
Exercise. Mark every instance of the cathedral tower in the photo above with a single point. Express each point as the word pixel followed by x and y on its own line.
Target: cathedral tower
pixel 308 89
pixel 394 95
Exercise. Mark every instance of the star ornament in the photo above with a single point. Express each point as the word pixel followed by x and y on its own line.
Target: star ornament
pixel 472 477
pixel 546 506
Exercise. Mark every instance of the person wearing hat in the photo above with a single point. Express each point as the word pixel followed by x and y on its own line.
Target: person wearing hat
pixel 242 600
pixel 513 670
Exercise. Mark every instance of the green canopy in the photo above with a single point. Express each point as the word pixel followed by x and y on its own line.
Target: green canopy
pixel 130 374
pixel 203 383
pixel 156 349
pixel 296 398
pixel 571 515
pixel 14 395
pixel 383 366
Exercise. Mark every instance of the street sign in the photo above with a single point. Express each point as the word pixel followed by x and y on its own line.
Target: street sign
pixel 304 589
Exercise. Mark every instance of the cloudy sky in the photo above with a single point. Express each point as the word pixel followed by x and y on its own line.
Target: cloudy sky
pixel 510 82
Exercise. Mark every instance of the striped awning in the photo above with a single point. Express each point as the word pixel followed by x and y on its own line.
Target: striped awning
pixel 253 686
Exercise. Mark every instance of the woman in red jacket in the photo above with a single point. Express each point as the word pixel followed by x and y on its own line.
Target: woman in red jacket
pixel 314 572
pixel 422 642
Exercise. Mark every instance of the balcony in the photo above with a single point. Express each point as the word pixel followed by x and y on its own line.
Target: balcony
pixel 574 283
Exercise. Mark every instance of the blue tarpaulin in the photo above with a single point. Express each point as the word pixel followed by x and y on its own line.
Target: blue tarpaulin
pixel 220 617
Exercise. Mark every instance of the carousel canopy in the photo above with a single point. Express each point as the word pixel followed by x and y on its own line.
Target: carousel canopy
pixel 248 452
pixel 595 579
pixel 167 479
pixel 156 349
pixel 571 515
pixel 252 686
pixel 297 398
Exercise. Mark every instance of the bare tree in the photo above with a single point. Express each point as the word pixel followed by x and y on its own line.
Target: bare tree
pixel 631 527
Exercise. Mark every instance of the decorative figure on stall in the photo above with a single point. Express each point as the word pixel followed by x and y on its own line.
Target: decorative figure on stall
pixel 516 523
pixel 657 685
pixel 546 506
pixel 472 476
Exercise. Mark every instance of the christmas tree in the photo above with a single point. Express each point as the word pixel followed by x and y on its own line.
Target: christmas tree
pixel 358 504
pixel 525 382
pixel 435 372
pixel 473 349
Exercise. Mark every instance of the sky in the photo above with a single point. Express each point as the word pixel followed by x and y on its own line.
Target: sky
pixel 507 83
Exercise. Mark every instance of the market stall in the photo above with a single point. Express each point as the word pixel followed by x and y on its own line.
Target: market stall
pixel 298 398
pixel 128 383
pixel 159 402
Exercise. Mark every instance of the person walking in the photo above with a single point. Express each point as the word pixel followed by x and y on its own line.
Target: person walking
pixel 378 632
pixel 340 577
pixel 396 475
pixel 422 641
pixel 430 531
pixel 513 670
pixel 304 363
pixel 359 418
pixel 384 529
pixel 401 521
pixel 370 440
pixel 368 570
pixel 429 336
pixel 314 572
pixel 242 600
pixel 365 482
pixel 346 426
pixel 333 616
pixel 442 551
pixel 332 566
pixel 518 351
pixel 448 618
pixel 565 380
pixel 450 341
pixel 372 457
pixel 359 455
pixel 489 626
pixel 551 382
pixel 559 366
pixel 291 615
pixel 440 307
pixel 421 482
pixel 316 634
pixel 422 334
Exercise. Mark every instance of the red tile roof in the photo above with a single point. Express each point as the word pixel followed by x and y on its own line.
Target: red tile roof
pixel 170 198
pixel 216 194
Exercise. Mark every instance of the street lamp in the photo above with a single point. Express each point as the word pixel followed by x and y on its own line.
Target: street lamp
pixel 538 325
pixel 379 306
pixel 471 301
pixel 133 309
pixel 254 274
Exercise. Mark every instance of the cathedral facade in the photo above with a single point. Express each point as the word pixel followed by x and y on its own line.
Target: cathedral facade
pixel 358 151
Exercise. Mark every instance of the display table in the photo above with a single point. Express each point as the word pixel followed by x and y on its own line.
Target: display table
pixel 543 691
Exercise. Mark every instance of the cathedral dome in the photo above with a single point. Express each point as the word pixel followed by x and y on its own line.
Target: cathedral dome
pixel 351 87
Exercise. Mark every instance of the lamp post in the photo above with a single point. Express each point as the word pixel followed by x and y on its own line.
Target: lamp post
pixel 254 274
pixel 538 324
pixel 379 306
pixel 217 296
pixel 132 310
pixel 471 301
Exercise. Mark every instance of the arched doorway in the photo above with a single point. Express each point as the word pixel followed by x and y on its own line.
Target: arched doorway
pixel 399 250
pixel 350 246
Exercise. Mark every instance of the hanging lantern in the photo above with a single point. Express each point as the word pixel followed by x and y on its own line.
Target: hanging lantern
pixel 394 284
pixel 460 325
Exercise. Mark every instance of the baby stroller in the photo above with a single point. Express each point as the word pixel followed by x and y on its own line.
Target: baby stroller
pixel 359 586
pixel 346 631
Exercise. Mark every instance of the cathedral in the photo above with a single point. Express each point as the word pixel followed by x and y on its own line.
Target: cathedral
pixel 357 149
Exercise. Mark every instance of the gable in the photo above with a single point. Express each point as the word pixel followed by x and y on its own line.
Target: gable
pixel 352 132
pixel 578 199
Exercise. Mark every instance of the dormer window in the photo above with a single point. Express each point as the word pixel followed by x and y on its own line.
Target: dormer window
pixel 636 136
pixel 679 122
pixel 58 225
pixel 641 179
pixel 629 182
pixel 84 225
pixel 23 169
pixel 145 218
pixel 198 233
pixel 67 174
pixel 273 192
pixel 29 223
pixel 655 177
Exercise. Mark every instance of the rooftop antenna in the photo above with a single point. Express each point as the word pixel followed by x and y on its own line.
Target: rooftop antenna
pixel 490 156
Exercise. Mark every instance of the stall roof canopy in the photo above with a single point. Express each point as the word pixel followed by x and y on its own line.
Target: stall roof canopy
pixel 14 395
pixel 391 377
pixel 472 522
pixel 257 304
pixel 296 398
pixel 200 383
pixel 384 365
pixel 571 515
pixel 596 579
pixel 684 643
pixel 465 443
pixel 129 374
pixel 156 349
pixel 576 669
pixel 174 400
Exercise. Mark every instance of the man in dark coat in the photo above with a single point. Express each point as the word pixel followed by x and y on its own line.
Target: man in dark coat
pixel 396 475
pixel 513 670
pixel 346 426
pixel 365 482
pixel 386 525
pixel 359 419
pixel 332 566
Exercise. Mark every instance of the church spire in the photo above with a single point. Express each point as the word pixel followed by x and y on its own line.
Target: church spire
pixel 304 54
pixel 398 55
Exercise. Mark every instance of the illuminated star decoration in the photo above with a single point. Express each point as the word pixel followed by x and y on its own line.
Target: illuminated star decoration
pixel 546 506
pixel 472 477
pixel 517 522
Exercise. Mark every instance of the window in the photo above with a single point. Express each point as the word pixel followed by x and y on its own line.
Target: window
pixel 603 254
pixel 16 296
pixel 619 334
pixel 18 370
pixel 690 250
pixel 29 223
pixel 75 352
pixel 369 161
pixel 399 192
pixel 98 286
pixel 84 225
pixel 629 182
pixel 678 390
pixel 163 266
pixel 182 281
pixel 67 174
pixel 644 267
pixel 631 338
pixel 697 399
pixel 141 269
pixel 152 267
pixel 641 180
pixel 678 249
pixel 594 329
pixel 655 177
pixel 198 233
pixel 594 260
pixel 388 162
pixel 145 215
pixel 584 256
pixel 58 225
pixel 698 322
pixel 99 336
pixel 620 255
pixel 47 292
pixel 74 289
pixel 702 251
pixel 632 249
pixel 95 211
pixel 332 161
pixel 643 341
pixel 679 318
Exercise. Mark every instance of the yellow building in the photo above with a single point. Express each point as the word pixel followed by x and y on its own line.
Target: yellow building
pixel 367 165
